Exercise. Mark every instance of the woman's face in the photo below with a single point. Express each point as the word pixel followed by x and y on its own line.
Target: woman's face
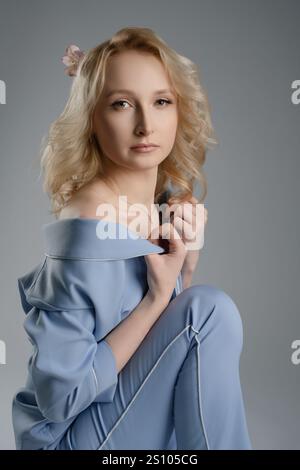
pixel 140 115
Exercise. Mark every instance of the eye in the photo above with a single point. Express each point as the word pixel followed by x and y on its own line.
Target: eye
pixel 114 105
pixel 117 104
pixel 165 101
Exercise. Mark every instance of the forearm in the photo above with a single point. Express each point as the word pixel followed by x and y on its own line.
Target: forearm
pixel 126 337
pixel 188 268
pixel 187 277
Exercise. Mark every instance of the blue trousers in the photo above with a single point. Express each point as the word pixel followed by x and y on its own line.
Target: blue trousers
pixel 180 389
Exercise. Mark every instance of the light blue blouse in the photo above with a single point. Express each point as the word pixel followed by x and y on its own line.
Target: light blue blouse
pixel 83 287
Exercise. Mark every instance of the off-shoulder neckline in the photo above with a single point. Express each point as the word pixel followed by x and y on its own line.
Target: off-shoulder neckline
pixel 94 220
pixel 74 237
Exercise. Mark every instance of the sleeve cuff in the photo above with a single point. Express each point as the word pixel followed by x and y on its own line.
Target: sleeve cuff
pixel 105 368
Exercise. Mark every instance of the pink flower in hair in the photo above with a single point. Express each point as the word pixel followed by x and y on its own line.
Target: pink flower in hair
pixel 71 59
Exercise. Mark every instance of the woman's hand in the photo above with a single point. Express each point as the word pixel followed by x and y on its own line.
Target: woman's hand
pixel 188 224
pixel 163 269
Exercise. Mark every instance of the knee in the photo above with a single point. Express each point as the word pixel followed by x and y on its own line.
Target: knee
pixel 218 306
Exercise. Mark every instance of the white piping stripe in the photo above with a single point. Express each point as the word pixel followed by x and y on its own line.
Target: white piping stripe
pixel 96 380
pixel 199 392
pixel 141 386
pixel 78 258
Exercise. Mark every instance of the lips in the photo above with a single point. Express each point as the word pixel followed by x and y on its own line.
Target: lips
pixel 143 146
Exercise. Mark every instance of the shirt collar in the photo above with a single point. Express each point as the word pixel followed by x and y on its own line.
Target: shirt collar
pixel 82 238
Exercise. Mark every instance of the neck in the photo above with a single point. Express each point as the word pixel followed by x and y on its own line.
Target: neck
pixel 138 186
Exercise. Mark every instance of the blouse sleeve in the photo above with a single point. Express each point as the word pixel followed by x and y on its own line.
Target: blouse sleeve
pixel 69 366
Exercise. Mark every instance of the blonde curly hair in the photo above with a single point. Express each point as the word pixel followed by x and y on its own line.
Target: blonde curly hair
pixel 70 154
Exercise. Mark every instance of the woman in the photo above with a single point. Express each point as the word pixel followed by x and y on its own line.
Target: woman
pixel 117 330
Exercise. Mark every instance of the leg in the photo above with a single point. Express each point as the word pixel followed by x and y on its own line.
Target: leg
pixel 208 405
pixel 162 387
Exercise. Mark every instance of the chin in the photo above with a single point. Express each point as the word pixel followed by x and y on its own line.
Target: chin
pixel 142 162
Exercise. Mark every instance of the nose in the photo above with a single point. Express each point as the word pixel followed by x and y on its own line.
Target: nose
pixel 144 125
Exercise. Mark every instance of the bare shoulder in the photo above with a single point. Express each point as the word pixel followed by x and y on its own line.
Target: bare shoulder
pixel 84 202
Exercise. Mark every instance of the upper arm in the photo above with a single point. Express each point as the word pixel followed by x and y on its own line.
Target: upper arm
pixel 68 367
pixel 68 313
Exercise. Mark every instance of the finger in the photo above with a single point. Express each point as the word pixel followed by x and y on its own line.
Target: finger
pixel 151 259
pixel 194 214
pixel 155 233
pixel 192 211
pixel 186 211
pixel 192 238
pixel 170 233
pixel 184 228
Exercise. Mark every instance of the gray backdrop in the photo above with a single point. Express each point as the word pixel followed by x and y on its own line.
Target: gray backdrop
pixel 248 54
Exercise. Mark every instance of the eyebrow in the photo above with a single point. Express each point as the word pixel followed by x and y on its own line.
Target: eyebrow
pixel 131 92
